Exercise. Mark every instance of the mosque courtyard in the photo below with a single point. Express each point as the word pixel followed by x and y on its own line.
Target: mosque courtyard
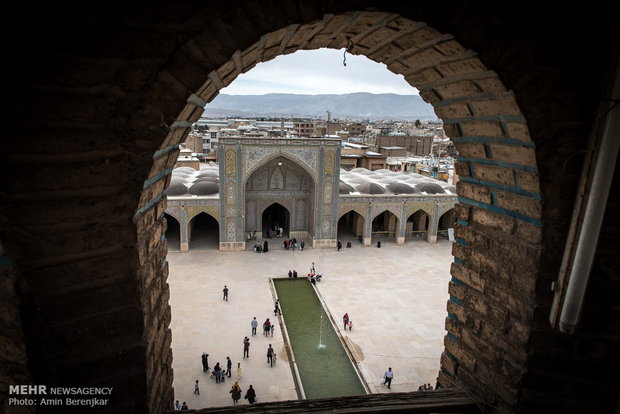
pixel 395 296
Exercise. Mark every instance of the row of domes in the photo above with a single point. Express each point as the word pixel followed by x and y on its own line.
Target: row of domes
pixel 187 181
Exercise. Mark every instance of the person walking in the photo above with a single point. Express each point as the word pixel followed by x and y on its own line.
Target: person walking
pixel 270 355
pixel 228 366
pixel 339 245
pixel 246 347
pixel 239 371
pixel 235 393
pixel 276 310
pixel 225 293
pixel 250 395
pixel 301 245
pixel 272 328
pixel 389 375
pixel 254 324
pixel 196 389
pixel 266 327
pixel 345 320
pixel 205 362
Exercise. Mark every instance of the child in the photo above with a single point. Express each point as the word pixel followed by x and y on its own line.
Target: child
pixel 274 358
pixel 350 324
pixel 272 328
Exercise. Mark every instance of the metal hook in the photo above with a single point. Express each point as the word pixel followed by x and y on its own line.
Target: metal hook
pixel 348 49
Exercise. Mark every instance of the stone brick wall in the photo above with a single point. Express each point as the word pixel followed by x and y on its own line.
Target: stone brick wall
pixel 105 96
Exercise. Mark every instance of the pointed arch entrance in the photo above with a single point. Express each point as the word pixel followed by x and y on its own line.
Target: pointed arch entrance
pixel 385 227
pixel 351 227
pixel 446 221
pixel 279 193
pixel 203 232
pixel 417 225
pixel 173 233
pixel 275 221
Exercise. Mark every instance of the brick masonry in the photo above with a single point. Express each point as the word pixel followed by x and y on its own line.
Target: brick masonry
pixel 97 115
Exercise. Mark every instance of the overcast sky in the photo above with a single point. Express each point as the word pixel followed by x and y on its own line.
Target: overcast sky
pixel 319 72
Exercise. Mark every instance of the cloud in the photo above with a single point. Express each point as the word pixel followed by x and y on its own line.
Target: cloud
pixel 319 71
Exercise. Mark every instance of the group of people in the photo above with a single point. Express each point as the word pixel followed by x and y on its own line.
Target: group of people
pixel 264 248
pixel 292 274
pixel 348 323
pixel 275 231
pixel 220 373
pixel 428 387
pixel 292 244
pixel 268 327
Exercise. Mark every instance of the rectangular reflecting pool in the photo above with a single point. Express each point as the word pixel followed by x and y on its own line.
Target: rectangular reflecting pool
pixel 323 364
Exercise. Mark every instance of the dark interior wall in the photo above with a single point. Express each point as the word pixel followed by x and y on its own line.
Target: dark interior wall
pixel 88 98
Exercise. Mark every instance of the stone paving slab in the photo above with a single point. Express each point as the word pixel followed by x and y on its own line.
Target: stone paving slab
pixel 395 295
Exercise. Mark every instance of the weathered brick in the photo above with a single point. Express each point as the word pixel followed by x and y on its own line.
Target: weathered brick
pixel 518 131
pixel 494 174
pixel 474 192
pixel 521 204
pixel 514 154
pixel 457 89
pixel 499 222
pixel 481 128
pixel 423 77
pixel 492 84
pixel 471 150
pixel 450 48
pixel 458 110
pixel 529 182
pixel 468 276
pixel 497 106
pixel 462 169
pixel 460 67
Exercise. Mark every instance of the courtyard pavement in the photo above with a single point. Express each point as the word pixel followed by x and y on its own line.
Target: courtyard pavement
pixel 395 295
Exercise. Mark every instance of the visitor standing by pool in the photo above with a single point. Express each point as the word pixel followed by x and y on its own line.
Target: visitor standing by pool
pixel 345 320
pixel 270 355
pixel 277 310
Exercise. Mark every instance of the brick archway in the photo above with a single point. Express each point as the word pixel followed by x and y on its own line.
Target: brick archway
pixel 498 190
pixel 99 116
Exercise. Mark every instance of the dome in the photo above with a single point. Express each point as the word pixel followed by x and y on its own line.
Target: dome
pixel 345 188
pixel 370 188
pixel 184 169
pixel 177 189
pixel 430 188
pixel 383 171
pixel 402 188
pixel 451 188
pixel 384 180
pixel 204 188
pixel 177 180
pixel 207 180
pixel 362 171
pixel 209 173
pixel 358 180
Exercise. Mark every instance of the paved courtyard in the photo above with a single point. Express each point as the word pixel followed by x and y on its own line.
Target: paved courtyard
pixel 395 295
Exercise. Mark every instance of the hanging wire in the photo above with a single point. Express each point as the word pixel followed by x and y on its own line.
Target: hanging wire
pixel 348 49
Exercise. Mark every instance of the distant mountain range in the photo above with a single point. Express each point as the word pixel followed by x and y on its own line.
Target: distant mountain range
pixel 359 105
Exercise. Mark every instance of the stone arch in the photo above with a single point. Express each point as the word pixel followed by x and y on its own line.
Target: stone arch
pixel 173 232
pixel 420 223
pixel 193 212
pixel 207 235
pixel 272 156
pixel 358 210
pixel 356 224
pixel 383 209
pixel 499 184
pixel 500 195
